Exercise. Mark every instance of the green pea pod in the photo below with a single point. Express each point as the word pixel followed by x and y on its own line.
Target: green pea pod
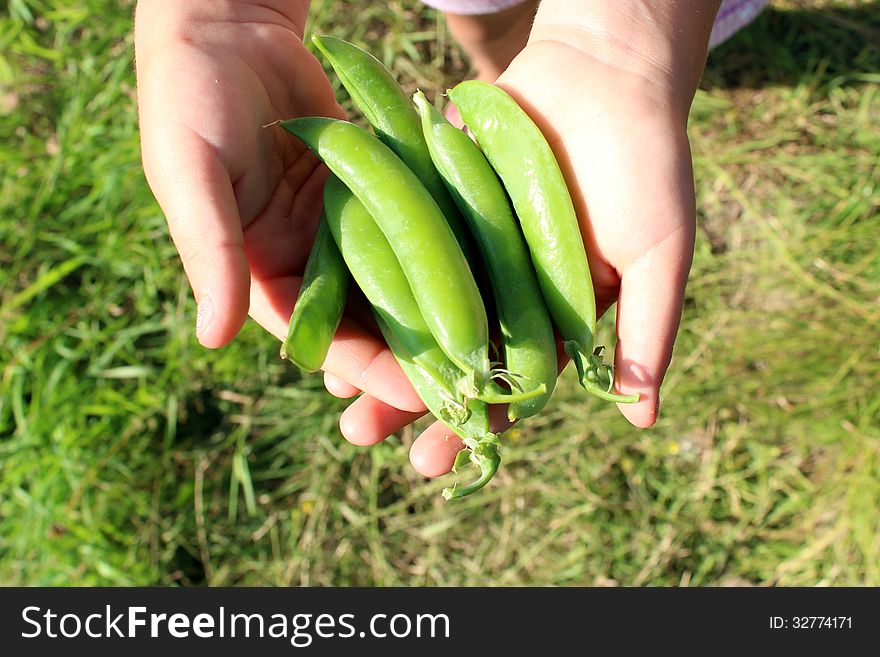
pixel 378 273
pixel 389 110
pixel 482 445
pixel 375 269
pixel 526 331
pixel 441 283
pixel 318 309
pixel 523 159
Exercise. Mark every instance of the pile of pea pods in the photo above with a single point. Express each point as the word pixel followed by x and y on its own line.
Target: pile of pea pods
pixel 496 204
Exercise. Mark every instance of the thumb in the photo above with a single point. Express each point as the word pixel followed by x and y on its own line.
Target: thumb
pixel 194 189
pixel 648 316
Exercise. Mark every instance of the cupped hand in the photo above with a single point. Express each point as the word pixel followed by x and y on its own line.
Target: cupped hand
pixel 242 201
pixel 620 138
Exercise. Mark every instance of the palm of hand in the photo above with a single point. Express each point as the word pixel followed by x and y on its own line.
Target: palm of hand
pixel 219 84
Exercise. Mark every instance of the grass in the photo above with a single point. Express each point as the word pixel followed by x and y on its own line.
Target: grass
pixel 129 455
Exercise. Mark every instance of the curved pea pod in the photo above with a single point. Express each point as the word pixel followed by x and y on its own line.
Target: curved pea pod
pixel 526 331
pixel 442 283
pixel 524 161
pixel 319 305
pixel 482 445
pixel 378 273
pixel 393 117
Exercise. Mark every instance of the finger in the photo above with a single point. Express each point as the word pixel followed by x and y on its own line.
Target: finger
pixel 193 188
pixel 365 362
pixel 648 315
pixel 356 356
pixel 433 453
pixel 339 387
pixel 368 421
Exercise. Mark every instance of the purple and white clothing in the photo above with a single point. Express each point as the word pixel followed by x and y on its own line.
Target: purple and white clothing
pixel 472 7
pixel 732 15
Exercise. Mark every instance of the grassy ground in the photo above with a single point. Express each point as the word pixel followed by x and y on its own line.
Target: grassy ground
pixel 129 455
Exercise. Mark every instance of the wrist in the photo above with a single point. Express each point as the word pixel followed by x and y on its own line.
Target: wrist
pixel 661 42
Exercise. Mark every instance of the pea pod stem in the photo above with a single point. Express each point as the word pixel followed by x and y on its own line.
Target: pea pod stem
pixel 472 427
pixel 483 454
pixel 468 418
pixel 470 423
pixel 495 394
pixel 593 372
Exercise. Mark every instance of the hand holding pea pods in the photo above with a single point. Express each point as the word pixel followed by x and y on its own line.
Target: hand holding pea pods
pixel 592 369
pixel 223 238
pixel 620 139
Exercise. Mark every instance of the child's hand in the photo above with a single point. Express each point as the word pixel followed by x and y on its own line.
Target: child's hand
pixel 242 202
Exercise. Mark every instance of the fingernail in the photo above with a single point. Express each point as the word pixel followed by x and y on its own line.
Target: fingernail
pixel 204 315
pixel 657 406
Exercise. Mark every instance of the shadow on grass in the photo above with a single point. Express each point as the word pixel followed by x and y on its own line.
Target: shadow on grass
pixel 789 47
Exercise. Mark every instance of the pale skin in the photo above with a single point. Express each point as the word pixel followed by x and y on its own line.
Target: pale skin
pixel 609 83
